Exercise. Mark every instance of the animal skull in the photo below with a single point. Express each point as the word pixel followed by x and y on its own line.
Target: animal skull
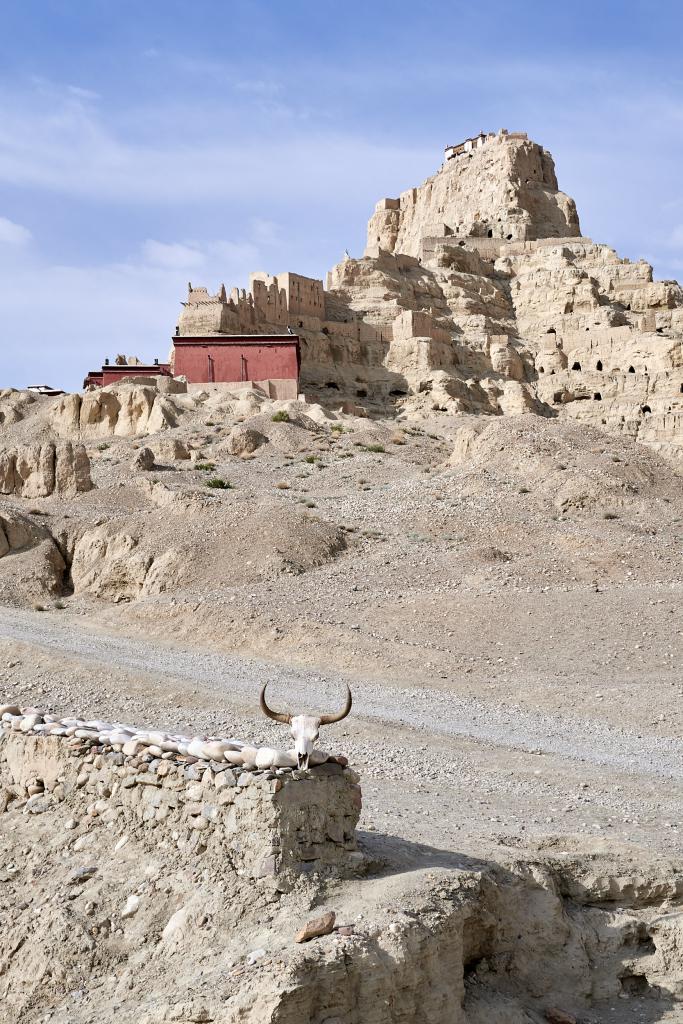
pixel 305 728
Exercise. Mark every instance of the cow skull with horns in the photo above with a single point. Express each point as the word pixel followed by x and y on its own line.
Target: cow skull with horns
pixel 305 728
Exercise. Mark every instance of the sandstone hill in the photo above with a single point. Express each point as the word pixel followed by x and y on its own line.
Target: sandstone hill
pixel 478 293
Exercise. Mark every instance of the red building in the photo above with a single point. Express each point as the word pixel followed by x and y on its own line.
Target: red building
pixel 111 373
pixel 239 357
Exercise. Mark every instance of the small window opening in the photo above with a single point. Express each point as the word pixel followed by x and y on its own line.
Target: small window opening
pixel 541 370
pixel 551 330
pixel 598 365
pixel 333 385
pixel 597 397
pixel 645 409
pixel 631 369
pixel 398 393
pixel 576 366
pixel 489 233
pixel 361 393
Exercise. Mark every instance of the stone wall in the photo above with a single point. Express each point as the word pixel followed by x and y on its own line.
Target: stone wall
pixel 274 824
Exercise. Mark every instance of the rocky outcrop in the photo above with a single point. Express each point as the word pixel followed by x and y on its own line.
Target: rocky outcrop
pixel 505 188
pixel 117 564
pixel 38 471
pixel 31 564
pixel 123 410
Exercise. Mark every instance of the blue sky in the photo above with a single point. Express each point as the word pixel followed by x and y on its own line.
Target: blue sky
pixel 146 144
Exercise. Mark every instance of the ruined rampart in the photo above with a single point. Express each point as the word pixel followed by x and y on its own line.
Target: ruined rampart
pixel 263 824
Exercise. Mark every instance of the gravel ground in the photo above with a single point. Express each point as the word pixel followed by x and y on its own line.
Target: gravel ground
pixel 447 771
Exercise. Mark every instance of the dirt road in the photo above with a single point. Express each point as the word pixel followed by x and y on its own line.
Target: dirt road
pixel 438 768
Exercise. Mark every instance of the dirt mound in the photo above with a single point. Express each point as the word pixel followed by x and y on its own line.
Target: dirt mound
pixel 191 541
pixel 576 467
pixel 287 432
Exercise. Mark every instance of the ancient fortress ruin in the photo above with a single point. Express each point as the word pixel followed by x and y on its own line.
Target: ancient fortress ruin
pixel 477 292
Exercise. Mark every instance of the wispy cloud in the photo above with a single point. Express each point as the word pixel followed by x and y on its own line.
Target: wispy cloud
pixel 84 155
pixel 173 255
pixel 13 234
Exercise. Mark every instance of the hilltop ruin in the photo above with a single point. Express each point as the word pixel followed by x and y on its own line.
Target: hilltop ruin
pixel 478 293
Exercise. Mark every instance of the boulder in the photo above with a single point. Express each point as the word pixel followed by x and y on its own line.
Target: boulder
pixel 244 439
pixel 143 459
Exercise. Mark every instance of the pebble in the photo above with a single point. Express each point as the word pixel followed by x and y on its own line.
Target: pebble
pixel 132 906
pixel 81 875
pixel 317 927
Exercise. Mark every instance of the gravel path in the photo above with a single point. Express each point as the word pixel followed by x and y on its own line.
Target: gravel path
pixel 420 709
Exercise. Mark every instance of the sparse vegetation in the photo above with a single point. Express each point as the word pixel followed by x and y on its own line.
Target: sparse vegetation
pixel 280 417
pixel 218 483
pixel 206 467
pixel 103 447
pixel 377 449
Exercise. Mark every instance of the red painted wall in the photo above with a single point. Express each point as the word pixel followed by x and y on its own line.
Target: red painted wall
pixel 249 357
pixel 114 373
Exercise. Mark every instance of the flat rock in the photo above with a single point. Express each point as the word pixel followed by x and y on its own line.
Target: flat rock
pixel 319 926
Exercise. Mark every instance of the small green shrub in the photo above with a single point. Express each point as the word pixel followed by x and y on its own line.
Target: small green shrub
pixel 376 448
pixel 103 447
pixel 206 466
pixel 338 427
pixel 280 417
pixel 219 484
pixel 310 459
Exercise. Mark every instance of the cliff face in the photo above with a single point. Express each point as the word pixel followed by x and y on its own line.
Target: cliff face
pixel 506 188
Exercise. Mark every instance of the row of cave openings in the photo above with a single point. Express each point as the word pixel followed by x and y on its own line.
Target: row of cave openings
pixel 599 367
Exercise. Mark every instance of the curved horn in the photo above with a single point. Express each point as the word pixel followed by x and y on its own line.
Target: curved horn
pixel 329 719
pixel 277 716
